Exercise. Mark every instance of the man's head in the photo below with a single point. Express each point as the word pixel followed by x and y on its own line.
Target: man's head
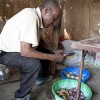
pixel 50 11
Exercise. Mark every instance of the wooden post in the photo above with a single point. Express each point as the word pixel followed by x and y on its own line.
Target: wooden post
pixel 80 76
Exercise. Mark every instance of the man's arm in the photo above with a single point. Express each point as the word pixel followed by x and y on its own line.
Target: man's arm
pixel 28 51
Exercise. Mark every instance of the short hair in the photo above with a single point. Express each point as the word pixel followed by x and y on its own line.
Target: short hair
pixel 52 4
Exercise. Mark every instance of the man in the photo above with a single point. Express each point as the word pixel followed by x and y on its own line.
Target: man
pixel 20 44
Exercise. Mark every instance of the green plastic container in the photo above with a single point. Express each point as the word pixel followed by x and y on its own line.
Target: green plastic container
pixel 68 84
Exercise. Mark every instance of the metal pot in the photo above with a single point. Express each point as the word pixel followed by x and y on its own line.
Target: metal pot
pixel 4 72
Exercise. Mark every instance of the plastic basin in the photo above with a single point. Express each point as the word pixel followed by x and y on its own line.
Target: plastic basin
pixel 69 84
pixel 75 70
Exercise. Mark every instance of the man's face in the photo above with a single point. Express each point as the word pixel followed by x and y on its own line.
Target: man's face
pixel 50 17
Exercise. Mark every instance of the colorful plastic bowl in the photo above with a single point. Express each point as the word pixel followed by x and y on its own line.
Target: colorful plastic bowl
pixel 72 72
pixel 69 84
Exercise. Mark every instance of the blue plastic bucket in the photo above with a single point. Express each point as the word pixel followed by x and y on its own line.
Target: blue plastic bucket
pixel 75 70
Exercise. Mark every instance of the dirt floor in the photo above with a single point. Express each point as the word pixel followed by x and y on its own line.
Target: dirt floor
pixel 44 92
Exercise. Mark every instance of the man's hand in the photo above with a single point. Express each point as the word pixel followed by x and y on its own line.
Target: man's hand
pixel 58 57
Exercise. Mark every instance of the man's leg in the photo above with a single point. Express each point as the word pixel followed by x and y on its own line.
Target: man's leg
pixel 44 63
pixel 44 75
pixel 29 68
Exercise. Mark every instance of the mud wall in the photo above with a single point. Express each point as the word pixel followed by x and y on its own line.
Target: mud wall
pixel 10 7
pixel 81 18
pixel 95 19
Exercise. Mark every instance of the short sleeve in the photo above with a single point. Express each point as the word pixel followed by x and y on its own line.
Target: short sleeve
pixel 29 30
